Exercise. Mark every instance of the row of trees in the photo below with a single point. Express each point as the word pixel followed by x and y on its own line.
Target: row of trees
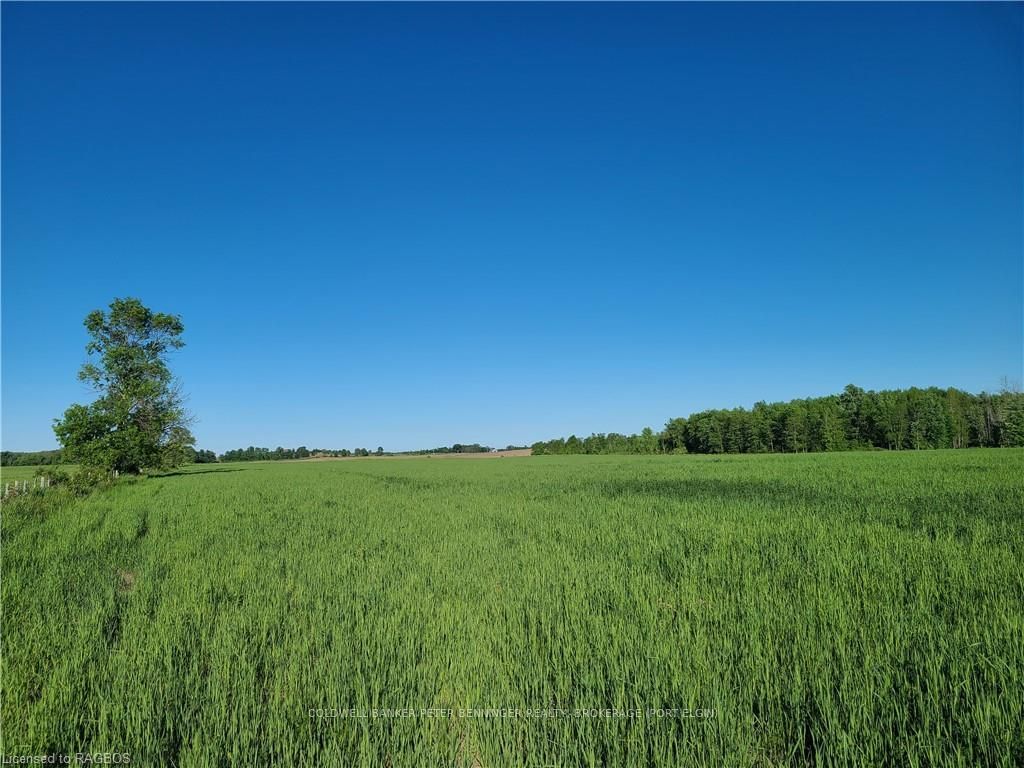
pixel 278 454
pixel 613 442
pixel 901 419
pixel 29 458
pixel 461 448
pixel 282 454
pixel 456 448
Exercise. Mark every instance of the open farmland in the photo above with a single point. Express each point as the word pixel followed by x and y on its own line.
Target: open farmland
pixel 834 609
pixel 17 474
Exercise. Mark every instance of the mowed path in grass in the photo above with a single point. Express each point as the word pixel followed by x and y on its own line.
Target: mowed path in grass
pixel 838 609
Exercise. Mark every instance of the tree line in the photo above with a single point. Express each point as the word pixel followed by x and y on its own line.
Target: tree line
pixel 456 448
pixel 30 458
pixel 898 419
pixel 283 454
pixel 253 453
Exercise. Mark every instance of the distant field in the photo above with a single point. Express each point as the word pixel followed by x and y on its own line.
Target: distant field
pixel 825 609
pixel 10 474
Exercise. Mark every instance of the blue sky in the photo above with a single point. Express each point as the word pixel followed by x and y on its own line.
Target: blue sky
pixel 412 225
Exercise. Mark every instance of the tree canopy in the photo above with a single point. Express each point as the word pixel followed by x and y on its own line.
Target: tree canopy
pixel 138 420
pixel 29 458
pixel 899 419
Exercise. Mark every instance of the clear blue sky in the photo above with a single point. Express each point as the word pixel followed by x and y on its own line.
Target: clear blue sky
pixel 411 225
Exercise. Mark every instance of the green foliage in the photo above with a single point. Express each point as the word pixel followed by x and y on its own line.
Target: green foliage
pixel 204 457
pixel 138 421
pixel 893 419
pixel 455 448
pixel 30 458
pixel 54 476
pixel 253 453
pixel 62 486
pixel 673 438
pixel 86 480
pixel 849 609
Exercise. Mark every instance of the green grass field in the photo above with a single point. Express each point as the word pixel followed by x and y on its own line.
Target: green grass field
pixel 11 474
pixel 829 609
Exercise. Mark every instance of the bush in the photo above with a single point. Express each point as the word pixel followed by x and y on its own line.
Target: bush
pixel 53 475
pixel 86 480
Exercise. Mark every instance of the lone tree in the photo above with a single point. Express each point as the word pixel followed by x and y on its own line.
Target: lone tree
pixel 138 421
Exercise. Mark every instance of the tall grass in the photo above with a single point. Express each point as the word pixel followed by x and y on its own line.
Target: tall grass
pixel 832 609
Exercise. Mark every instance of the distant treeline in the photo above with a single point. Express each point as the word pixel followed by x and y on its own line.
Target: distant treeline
pixel 29 458
pixel 900 419
pixel 456 448
pixel 302 452
pixel 253 453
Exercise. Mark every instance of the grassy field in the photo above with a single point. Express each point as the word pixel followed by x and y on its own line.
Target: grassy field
pixel 10 474
pixel 847 609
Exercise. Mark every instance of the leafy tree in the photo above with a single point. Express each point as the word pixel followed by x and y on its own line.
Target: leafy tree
pixel 648 441
pixel 928 423
pixel 958 407
pixel 761 439
pixel 704 433
pixel 138 420
pixel 796 428
pixel 851 403
pixel 895 419
pixel 673 438
pixel 1012 432
pixel 830 425
pixel 735 429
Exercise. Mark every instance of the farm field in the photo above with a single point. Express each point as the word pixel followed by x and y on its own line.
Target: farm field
pixel 11 474
pixel 819 609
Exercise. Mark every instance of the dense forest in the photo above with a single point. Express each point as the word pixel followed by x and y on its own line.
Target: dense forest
pixel 901 419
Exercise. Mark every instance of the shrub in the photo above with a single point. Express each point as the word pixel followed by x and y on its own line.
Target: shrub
pixel 53 475
pixel 86 480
